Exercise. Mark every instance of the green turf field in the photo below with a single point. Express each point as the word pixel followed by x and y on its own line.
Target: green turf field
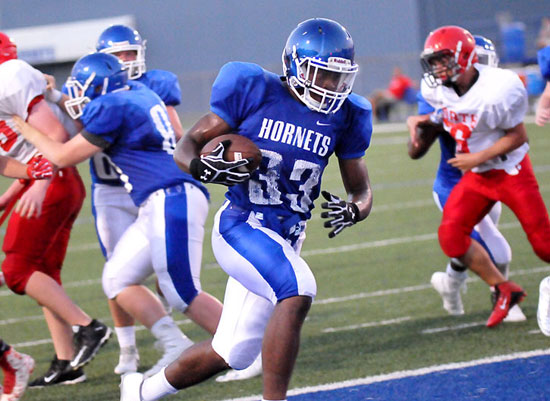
pixel 375 311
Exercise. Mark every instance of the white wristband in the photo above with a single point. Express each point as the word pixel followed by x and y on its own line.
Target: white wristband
pixel 53 95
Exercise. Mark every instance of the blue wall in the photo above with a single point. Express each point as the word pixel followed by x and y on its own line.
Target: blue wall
pixel 193 38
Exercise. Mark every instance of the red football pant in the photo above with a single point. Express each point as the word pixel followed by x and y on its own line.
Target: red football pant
pixel 475 194
pixel 40 244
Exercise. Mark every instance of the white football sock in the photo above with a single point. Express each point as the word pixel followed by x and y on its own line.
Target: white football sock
pixel 169 334
pixel 457 276
pixel 156 387
pixel 126 336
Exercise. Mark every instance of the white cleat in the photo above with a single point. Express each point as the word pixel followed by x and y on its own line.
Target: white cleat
pixel 128 361
pixel 252 371
pixel 171 353
pixel 515 314
pixel 449 290
pixel 543 311
pixel 130 386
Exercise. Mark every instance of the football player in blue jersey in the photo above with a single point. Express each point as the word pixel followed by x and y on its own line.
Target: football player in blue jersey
pixel 298 121
pixel 111 202
pixel 129 122
pixel 449 283
pixel 126 43
pixel 542 115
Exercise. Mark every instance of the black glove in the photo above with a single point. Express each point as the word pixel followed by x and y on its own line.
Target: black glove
pixel 212 168
pixel 342 213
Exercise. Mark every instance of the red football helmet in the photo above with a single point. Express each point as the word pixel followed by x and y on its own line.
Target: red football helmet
pixel 448 52
pixel 8 49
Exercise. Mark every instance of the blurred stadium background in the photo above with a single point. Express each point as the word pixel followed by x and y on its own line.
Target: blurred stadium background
pixel 194 38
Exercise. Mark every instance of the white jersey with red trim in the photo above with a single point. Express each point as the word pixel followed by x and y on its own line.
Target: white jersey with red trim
pixel 20 84
pixel 477 119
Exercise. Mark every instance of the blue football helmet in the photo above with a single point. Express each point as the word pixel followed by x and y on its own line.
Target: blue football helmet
pixel 119 38
pixel 92 76
pixel 486 53
pixel 318 63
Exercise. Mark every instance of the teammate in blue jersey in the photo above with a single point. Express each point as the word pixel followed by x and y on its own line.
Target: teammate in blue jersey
pixel 126 43
pixel 130 124
pixel 111 202
pixel 542 115
pixel 449 283
pixel 298 121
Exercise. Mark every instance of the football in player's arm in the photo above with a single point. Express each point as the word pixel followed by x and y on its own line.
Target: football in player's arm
pixel 298 122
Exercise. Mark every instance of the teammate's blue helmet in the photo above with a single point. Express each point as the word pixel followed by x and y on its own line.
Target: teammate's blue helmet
pixel 119 38
pixel 93 75
pixel 486 52
pixel 318 62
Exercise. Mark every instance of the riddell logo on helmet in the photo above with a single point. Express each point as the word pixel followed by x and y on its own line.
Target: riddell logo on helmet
pixel 339 60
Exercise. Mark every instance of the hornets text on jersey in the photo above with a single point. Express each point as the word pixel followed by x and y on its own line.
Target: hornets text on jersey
pixel 258 105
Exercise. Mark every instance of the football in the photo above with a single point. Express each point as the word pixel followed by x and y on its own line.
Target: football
pixel 241 148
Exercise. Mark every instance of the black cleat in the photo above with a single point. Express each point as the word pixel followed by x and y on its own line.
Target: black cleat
pixel 87 342
pixel 60 372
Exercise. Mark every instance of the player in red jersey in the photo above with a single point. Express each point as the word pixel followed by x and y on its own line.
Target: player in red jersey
pixel 483 110
pixel 38 231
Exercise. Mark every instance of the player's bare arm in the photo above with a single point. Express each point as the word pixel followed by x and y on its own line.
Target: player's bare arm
pixel 13 190
pixel 514 138
pixel 42 116
pixel 30 203
pixel 189 146
pixel 65 154
pixel 175 121
pixel 422 134
pixel 355 177
pixel 341 214
pixel 542 115
pixel 12 168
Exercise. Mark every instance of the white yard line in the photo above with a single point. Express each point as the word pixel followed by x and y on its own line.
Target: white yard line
pixel 49 341
pixel 326 301
pixel 368 324
pixel 452 328
pixel 380 293
pixel 421 287
pixel 313 252
pixel 406 373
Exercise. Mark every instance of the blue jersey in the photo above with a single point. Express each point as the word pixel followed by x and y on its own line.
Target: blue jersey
pixel 296 142
pixel 132 127
pixel 447 176
pixel 163 83
pixel 543 56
